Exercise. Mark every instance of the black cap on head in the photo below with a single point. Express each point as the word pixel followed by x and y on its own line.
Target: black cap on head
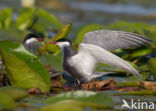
pixel 63 40
pixel 30 36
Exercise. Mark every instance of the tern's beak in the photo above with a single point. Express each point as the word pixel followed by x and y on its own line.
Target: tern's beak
pixel 40 39
pixel 52 42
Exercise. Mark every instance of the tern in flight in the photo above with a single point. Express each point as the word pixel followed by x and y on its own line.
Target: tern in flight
pixel 95 49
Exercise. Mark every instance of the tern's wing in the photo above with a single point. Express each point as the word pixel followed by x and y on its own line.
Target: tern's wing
pixel 111 40
pixel 103 56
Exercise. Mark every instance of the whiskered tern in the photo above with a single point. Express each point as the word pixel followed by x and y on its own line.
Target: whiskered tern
pixel 95 49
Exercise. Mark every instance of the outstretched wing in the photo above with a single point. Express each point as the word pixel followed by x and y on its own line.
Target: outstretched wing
pixel 111 40
pixel 103 56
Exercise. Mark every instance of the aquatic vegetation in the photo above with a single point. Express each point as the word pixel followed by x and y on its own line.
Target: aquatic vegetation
pixel 37 73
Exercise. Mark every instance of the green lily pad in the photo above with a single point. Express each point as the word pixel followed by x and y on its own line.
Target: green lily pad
pixel 152 66
pixel 5 18
pixel 37 19
pixel 55 61
pixel 101 99
pixel 20 63
pixel 25 20
pixel 6 102
pixel 14 92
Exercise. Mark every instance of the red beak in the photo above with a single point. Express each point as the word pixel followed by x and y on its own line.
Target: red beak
pixel 40 39
pixel 52 42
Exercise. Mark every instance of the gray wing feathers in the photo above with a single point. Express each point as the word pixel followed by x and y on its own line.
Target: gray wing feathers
pixel 111 40
pixel 106 57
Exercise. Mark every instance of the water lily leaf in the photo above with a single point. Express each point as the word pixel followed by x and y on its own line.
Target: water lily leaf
pixel 21 63
pixel 64 107
pixel 14 92
pixel 6 102
pixel 46 48
pixel 5 18
pixel 37 19
pixel 101 99
pixel 152 66
pixel 12 33
pixel 55 61
pixel 47 20
pixel 52 47
pixel 25 20
pixel 63 33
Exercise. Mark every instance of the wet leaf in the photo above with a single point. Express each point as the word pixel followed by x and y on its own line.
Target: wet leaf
pixel 14 92
pixel 21 63
pixel 100 98
pixel 6 102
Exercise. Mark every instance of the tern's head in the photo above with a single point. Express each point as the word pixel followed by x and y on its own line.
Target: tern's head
pixel 62 43
pixel 30 38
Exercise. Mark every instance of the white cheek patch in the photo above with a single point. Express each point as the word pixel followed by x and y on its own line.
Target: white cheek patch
pixel 29 41
pixel 63 44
